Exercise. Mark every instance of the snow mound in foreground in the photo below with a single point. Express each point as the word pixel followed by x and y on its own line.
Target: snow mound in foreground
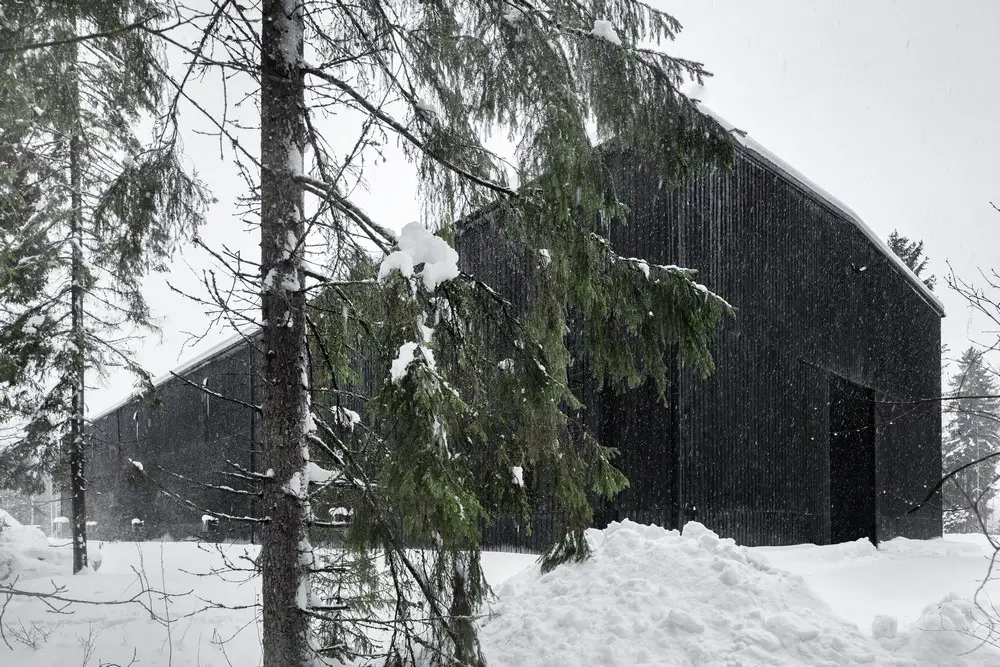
pixel 24 551
pixel 908 548
pixel 651 596
pixel 7 520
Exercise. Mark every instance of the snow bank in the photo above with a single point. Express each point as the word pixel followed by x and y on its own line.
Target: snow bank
pixel 899 579
pixel 25 551
pixel 946 548
pixel 6 520
pixel 650 596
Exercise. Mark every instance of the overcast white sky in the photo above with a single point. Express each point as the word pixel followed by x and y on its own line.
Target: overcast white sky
pixel 891 106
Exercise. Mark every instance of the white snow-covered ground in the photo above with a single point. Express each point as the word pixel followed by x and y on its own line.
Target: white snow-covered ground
pixel 899 578
pixel 647 597
pixel 655 597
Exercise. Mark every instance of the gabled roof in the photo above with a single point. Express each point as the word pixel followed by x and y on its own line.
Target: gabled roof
pixel 747 142
pixel 221 349
pixel 789 172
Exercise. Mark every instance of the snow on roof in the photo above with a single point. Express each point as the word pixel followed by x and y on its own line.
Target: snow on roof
pixel 229 344
pixel 797 177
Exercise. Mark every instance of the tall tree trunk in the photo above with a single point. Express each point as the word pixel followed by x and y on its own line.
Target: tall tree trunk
pixel 77 453
pixel 286 555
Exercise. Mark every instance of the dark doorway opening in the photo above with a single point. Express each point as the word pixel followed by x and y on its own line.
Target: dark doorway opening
pixel 852 463
pixel 643 428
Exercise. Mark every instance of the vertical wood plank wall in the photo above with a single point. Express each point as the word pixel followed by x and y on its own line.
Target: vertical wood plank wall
pixel 746 451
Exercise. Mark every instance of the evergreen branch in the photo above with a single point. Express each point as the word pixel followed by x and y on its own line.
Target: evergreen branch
pixel 205 485
pixel 141 24
pixel 219 515
pixel 378 234
pixel 409 136
pixel 246 474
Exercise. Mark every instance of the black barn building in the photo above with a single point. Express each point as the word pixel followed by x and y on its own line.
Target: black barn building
pixel 814 427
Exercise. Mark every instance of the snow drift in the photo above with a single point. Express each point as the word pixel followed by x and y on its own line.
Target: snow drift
pixel 651 596
pixel 24 551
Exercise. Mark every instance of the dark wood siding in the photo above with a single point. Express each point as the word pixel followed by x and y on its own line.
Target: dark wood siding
pixel 746 451
pixel 184 440
pixel 815 300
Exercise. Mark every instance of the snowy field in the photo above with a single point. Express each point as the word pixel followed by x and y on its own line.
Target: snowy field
pixel 647 597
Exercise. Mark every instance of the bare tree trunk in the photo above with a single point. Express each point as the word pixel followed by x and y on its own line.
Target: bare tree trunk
pixel 286 554
pixel 77 453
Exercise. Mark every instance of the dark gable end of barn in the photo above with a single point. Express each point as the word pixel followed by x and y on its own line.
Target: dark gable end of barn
pixel 814 428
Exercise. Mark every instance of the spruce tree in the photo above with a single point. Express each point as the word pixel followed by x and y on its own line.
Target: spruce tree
pixel 972 432
pixel 464 393
pixel 912 254
pixel 111 209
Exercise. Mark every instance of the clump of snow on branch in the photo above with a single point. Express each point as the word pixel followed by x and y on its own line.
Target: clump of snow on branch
pixel 396 261
pixel 606 31
pixel 346 418
pixel 286 280
pixel 427 108
pixel 318 474
pixel 290 245
pixel 32 324
pixel 642 265
pixel 405 358
pixel 294 485
pixel 418 246
pixel 341 516
pixel 513 15
pixel 401 364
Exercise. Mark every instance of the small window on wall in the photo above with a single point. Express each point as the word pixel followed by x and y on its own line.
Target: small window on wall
pixel 206 398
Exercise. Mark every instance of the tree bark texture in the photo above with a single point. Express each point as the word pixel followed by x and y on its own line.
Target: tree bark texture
pixel 285 550
pixel 77 371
